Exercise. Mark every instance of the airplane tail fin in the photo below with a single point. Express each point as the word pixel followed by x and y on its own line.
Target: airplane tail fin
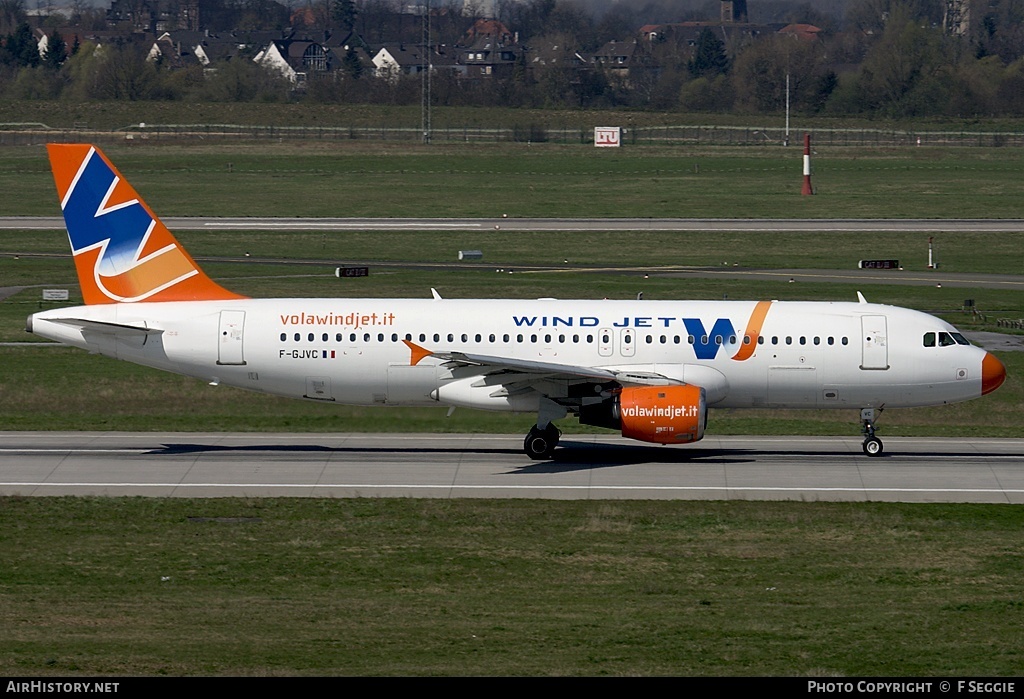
pixel 122 251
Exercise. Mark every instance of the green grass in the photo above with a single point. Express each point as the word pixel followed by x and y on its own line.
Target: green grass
pixel 391 587
pixel 384 179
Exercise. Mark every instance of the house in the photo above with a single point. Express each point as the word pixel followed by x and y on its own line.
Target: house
pixel 394 60
pixel 490 56
pixel 295 59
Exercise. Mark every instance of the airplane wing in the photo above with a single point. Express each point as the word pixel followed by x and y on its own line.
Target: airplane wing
pixel 524 370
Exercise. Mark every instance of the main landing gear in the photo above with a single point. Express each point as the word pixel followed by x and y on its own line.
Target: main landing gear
pixel 540 443
pixel 543 437
pixel 872 444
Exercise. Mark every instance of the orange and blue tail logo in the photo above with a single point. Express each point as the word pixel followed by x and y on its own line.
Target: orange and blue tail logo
pixel 123 253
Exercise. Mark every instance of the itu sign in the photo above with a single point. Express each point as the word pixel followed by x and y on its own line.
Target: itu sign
pixel 607 136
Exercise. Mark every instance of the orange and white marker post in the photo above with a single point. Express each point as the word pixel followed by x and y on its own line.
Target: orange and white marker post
pixel 807 165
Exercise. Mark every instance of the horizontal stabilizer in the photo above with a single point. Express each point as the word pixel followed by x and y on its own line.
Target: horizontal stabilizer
pixel 106 328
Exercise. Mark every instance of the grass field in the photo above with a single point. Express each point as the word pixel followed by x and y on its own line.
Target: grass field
pixel 382 179
pixel 385 587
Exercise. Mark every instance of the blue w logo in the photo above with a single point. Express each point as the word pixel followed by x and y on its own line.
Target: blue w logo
pixel 91 221
pixel 705 344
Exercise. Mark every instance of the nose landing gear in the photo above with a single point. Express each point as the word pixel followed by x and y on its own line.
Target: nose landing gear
pixel 872 445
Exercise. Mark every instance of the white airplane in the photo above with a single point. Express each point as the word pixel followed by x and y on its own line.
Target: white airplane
pixel 650 369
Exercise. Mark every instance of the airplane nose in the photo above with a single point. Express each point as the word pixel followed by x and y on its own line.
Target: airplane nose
pixel 993 373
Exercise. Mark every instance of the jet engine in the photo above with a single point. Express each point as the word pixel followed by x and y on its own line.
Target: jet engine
pixel 660 414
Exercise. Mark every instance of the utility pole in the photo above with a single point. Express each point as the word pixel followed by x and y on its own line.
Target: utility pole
pixel 426 75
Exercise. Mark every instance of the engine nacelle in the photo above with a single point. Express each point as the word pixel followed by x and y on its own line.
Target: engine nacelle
pixel 663 414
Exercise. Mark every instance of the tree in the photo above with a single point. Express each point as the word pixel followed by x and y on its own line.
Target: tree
pixel 351 64
pixel 56 51
pixel 343 14
pixel 906 55
pixel 21 48
pixel 709 57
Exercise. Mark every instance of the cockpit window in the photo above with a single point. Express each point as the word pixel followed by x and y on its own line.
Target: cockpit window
pixel 960 339
pixel 945 339
pixel 929 339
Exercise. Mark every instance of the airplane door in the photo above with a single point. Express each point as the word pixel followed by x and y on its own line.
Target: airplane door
pixel 874 343
pixel 627 343
pixel 604 342
pixel 229 345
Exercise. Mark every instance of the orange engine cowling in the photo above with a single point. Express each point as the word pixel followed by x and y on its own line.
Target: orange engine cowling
pixel 663 414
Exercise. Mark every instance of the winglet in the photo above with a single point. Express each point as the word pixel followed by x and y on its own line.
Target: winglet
pixel 860 298
pixel 418 353
pixel 123 252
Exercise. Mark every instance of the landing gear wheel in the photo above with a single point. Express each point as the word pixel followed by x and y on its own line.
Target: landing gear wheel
pixel 540 444
pixel 873 446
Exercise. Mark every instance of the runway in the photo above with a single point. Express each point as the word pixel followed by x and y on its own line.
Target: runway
pixel 552 224
pixel 493 466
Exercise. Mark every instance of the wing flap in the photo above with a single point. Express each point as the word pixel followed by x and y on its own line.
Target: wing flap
pixel 526 370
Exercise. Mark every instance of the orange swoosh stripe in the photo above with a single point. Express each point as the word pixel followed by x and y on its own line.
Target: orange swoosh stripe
pixel 753 330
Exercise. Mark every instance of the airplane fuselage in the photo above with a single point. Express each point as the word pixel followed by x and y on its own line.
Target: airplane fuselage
pixel 353 351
